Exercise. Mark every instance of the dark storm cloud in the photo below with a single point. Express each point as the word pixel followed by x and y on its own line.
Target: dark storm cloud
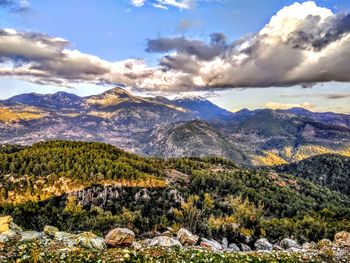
pixel 338 96
pixel 197 48
pixel 317 34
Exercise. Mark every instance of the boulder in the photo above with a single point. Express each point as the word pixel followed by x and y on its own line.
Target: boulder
pixel 233 247
pixel 245 247
pixel 91 241
pixel 5 222
pixel 164 241
pixel 263 244
pixel 50 231
pixel 120 237
pixel 186 238
pixel 288 243
pixel 210 244
pixel 67 239
pixel 31 235
pixel 309 246
pixel 342 239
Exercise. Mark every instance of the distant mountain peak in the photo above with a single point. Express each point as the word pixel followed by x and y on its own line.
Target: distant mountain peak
pixel 189 97
pixel 58 100
pixel 118 91
pixel 110 97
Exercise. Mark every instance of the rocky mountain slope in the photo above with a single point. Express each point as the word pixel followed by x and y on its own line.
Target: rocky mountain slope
pixel 167 128
pixel 194 138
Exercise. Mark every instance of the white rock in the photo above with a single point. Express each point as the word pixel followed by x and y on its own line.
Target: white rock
pixel 164 241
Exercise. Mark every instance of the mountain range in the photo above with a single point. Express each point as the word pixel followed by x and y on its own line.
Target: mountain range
pixel 161 127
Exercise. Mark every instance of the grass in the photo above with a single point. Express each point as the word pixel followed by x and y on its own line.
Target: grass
pixel 33 252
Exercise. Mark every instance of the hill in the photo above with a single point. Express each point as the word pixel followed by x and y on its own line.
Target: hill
pixel 329 170
pixel 81 186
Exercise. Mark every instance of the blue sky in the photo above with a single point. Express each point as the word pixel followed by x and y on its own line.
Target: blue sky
pixel 116 30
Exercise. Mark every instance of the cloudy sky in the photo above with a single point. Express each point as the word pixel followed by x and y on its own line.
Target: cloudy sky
pixel 238 53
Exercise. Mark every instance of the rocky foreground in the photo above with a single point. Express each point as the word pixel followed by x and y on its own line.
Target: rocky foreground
pixel 121 245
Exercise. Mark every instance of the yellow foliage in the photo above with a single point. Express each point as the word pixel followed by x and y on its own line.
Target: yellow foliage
pixel 73 207
pixel 268 159
pixel 246 232
pixel 225 222
pixel 307 151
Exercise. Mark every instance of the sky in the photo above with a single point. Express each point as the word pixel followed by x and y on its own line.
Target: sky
pixel 238 53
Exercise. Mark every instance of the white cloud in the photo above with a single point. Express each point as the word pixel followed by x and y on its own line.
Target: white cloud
pixel 160 6
pixel 302 44
pixel 138 3
pixel 182 4
pixel 165 4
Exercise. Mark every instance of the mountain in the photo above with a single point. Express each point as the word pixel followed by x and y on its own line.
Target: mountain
pixel 56 101
pixel 329 170
pixel 205 109
pixel 115 117
pixel 285 137
pixel 325 117
pixel 184 126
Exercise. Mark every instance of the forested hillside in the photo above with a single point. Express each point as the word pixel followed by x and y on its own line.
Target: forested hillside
pixel 92 186
pixel 330 170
